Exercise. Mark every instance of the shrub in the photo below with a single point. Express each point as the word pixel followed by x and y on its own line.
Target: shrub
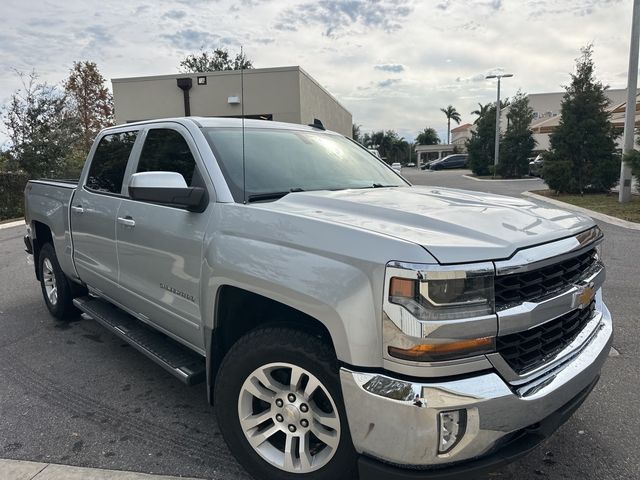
pixel 12 194
pixel 517 143
pixel 481 145
pixel 583 143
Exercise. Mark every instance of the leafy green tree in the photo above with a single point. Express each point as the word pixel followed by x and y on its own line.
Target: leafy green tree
pixel 517 142
pixel 41 127
pixel 483 109
pixel 90 101
pixel 582 155
pixel 481 145
pixel 452 114
pixel 633 159
pixel 428 137
pixel 390 145
pixel 356 134
pixel 4 158
pixel 213 61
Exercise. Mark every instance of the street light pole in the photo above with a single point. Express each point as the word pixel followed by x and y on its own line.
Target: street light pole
pixel 630 109
pixel 497 146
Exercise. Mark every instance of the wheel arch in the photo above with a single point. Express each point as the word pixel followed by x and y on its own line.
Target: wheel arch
pixel 239 311
pixel 42 236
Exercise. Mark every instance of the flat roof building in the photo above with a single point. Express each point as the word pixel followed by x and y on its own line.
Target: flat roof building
pixel 543 129
pixel 428 153
pixel 461 135
pixel 546 113
pixel 284 94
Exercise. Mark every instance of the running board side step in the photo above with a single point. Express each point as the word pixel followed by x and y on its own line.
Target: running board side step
pixel 176 359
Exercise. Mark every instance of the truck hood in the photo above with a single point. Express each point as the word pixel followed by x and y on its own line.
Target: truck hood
pixel 454 226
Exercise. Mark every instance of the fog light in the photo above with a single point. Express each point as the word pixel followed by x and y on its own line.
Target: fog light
pixel 452 427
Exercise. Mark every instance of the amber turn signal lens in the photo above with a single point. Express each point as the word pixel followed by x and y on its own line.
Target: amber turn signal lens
pixel 402 287
pixel 444 351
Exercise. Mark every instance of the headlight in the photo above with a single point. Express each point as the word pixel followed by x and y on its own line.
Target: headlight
pixel 444 295
pixel 435 312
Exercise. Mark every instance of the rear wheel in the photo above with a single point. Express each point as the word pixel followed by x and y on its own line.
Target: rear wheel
pixel 56 288
pixel 280 409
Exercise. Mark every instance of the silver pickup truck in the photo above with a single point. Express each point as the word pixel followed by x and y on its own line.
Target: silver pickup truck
pixel 344 320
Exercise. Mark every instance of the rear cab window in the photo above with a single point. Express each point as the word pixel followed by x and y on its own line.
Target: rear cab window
pixel 109 162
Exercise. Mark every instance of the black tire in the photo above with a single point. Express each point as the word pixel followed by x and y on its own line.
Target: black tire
pixel 62 308
pixel 273 345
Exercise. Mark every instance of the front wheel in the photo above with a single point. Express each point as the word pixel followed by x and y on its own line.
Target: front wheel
pixel 279 407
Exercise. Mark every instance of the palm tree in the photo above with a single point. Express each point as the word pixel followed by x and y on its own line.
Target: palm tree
pixel 481 112
pixel 428 137
pixel 452 114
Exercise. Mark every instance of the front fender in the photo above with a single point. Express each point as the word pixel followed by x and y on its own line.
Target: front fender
pixel 332 273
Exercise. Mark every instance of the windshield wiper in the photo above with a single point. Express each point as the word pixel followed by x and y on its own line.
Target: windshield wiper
pixel 271 195
pixel 380 185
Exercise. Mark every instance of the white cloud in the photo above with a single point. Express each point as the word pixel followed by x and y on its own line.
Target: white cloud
pixel 175 14
pixel 392 63
pixel 390 67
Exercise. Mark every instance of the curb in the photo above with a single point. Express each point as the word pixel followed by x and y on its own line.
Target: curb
pixel 23 470
pixel 471 177
pixel 11 224
pixel 597 215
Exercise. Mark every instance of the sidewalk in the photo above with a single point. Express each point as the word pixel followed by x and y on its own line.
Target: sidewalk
pixel 21 470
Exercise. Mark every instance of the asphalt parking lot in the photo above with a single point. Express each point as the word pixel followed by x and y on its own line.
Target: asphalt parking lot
pixel 75 394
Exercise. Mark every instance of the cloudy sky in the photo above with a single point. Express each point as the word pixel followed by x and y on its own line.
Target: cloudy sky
pixel 392 63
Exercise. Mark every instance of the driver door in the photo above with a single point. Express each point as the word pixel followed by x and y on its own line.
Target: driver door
pixel 160 247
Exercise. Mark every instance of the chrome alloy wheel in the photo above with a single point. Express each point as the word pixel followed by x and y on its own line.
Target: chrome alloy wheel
pixel 289 417
pixel 50 286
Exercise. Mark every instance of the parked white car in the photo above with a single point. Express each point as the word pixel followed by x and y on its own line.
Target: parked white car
pixel 397 167
pixel 375 153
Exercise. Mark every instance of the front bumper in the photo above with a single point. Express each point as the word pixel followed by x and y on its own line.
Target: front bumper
pixel 516 446
pixel 386 425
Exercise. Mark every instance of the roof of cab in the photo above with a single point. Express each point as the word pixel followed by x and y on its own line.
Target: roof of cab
pixel 219 122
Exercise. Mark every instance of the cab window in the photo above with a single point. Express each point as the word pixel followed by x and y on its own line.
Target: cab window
pixel 166 150
pixel 110 162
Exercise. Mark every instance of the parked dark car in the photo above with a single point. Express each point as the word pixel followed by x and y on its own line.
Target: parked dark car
pixel 451 161
pixel 427 165
pixel 535 166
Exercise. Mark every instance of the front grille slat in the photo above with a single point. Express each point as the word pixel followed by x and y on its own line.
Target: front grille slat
pixel 531 348
pixel 514 289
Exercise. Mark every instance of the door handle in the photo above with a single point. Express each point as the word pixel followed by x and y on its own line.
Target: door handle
pixel 77 209
pixel 127 221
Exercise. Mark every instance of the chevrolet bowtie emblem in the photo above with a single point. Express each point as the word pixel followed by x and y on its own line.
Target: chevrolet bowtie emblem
pixel 583 297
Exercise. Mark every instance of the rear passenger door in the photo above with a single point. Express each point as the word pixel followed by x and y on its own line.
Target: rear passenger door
pixel 159 246
pixel 94 208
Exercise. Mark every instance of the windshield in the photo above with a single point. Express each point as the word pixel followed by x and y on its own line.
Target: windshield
pixel 281 161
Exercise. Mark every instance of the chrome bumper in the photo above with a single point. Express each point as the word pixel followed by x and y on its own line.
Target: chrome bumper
pixel 385 423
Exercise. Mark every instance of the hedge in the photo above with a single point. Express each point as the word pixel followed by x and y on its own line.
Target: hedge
pixel 12 194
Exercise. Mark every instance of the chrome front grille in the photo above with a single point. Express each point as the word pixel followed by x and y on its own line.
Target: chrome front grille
pixel 541 283
pixel 529 349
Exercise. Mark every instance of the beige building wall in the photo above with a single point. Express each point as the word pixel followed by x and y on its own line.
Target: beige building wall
pixel 287 93
pixel 316 102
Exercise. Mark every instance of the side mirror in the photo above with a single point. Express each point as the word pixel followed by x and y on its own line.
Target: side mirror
pixel 166 188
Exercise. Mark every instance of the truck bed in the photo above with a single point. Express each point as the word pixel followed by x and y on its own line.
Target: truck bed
pixel 47 204
pixel 62 183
